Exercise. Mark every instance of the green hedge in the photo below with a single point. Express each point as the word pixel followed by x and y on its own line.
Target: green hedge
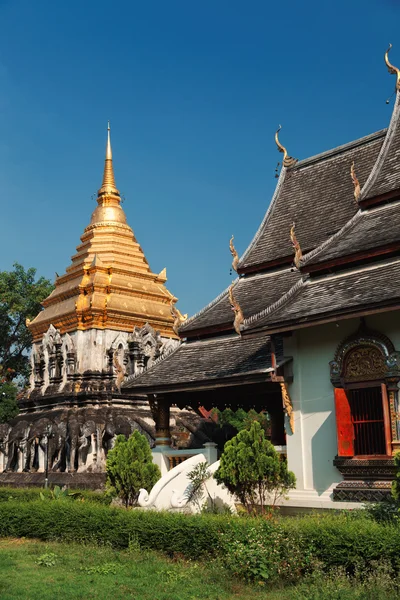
pixel 253 548
pixel 32 494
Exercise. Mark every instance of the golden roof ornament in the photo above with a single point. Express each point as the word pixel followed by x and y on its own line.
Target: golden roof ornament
pixel 179 318
pixel 239 318
pixel 287 405
pixel 392 69
pixel 288 161
pixel 356 183
pixel 235 255
pixel 298 255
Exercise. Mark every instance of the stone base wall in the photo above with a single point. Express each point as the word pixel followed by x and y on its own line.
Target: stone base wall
pixel 81 481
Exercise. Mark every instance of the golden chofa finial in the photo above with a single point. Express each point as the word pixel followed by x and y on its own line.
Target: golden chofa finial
pixel 288 161
pixel 356 183
pixel 108 185
pixel 298 255
pixel 235 255
pixel 239 318
pixel 392 70
pixel 179 318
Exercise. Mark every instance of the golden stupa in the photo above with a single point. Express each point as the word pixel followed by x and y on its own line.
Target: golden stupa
pixel 109 284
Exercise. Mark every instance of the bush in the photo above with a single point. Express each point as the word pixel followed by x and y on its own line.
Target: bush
pixel 130 467
pixel 251 469
pixel 33 494
pixel 252 548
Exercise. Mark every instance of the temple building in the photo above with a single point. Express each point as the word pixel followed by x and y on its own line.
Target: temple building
pixel 310 329
pixel 108 316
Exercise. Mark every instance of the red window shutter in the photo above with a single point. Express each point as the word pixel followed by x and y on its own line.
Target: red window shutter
pixel 344 425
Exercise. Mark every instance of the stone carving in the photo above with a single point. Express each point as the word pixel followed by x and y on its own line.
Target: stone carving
pixel 74 440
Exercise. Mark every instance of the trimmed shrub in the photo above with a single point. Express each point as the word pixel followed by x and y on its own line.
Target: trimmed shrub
pixel 130 467
pixel 251 469
pixel 251 548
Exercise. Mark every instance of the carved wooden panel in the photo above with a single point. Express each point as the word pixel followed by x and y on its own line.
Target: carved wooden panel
pixel 364 363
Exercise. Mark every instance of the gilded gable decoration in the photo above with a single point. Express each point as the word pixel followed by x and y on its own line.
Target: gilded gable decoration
pixel 288 161
pixel 392 69
pixel 234 253
pixel 239 318
pixel 298 255
pixel 356 183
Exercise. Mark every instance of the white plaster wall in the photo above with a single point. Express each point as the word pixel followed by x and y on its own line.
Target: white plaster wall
pixel 313 447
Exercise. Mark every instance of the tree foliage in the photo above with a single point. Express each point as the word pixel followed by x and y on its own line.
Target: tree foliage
pixel 8 398
pixel 252 470
pixel 21 295
pixel 242 419
pixel 130 467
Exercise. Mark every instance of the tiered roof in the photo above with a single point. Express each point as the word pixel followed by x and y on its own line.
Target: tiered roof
pixel 350 245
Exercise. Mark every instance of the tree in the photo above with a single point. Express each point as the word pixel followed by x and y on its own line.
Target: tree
pixel 20 299
pixel 252 470
pixel 130 467
pixel 8 398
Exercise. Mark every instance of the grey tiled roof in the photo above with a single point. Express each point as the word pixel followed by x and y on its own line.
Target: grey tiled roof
pixel 317 195
pixel 253 293
pixel 207 360
pixel 368 230
pixel 385 176
pixel 372 286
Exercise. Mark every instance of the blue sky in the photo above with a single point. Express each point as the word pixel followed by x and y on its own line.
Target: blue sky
pixel 194 92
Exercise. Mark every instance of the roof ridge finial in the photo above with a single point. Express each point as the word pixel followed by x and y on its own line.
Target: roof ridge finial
pixel 392 69
pixel 235 306
pixel 108 186
pixel 234 253
pixel 298 254
pixel 288 161
pixel 356 183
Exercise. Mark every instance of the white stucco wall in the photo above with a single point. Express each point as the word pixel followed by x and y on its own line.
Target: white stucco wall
pixel 313 447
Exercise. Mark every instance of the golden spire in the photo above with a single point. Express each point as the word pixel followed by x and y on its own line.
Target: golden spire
pixel 392 70
pixel 235 255
pixel 288 161
pixel 298 255
pixel 356 183
pixel 108 185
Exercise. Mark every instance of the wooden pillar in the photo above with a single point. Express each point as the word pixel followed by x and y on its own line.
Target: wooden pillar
pixel 386 420
pixel 393 402
pixel 162 416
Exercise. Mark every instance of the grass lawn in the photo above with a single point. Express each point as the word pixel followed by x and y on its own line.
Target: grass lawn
pixel 32 570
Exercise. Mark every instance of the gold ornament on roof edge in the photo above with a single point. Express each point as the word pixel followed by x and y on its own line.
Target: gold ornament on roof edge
pixel 239 318
pixel 235 255
pixel 392 69
pixel 179 318
pixel 356 183
pixel 288 161
pixel 298 255
pixel 287 405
